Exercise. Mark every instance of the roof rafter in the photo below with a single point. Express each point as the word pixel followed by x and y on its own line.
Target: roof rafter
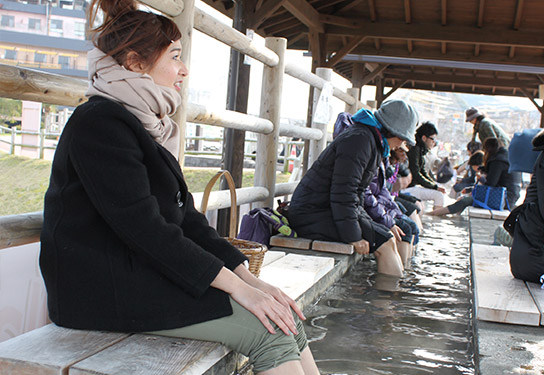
pixel 438 33
pixel 304 12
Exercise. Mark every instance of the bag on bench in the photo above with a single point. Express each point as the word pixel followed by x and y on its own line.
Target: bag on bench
pixel 261 223
pixel 490 197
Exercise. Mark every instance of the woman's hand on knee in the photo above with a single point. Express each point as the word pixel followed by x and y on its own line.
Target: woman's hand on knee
pixel 281 297
pixel 361 247
pixel 265 306
pixel 397 233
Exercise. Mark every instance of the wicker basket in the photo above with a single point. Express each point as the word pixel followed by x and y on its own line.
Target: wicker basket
pixel 253 250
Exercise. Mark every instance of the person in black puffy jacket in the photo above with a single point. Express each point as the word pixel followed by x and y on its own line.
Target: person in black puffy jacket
pixel 527 254
pixel 327 204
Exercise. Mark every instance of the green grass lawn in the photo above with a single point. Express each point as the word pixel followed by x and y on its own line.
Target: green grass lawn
pixel 23 182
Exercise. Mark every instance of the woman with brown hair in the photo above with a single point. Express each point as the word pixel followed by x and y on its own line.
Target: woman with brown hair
pixel 123 247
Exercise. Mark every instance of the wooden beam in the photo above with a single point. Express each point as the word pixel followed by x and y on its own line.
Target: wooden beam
pixel 171 8
pixel 307 14
pixel 460 80
pixel 476 49
pixel 291 41
pixel 407 12
pixel 372 10
pixel 427 53
pixel 528 94
pixel 410 46
pixel 349 6
pixel 444 12
pixel 519 11
pixel 357 74
pixel 480 22
pixel 438 33
pixel 344 51
pixel 377 44
pixel 394 88
pixel 317 48
pixel 266 10
pixel 369 77
pixel 279 27
pixel 443 48
pixel 339 21
pixel 512 52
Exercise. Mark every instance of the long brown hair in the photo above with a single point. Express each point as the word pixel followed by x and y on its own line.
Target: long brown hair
pixel 126 29
pixel 491 147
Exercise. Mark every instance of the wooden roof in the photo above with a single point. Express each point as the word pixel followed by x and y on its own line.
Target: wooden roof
pixel 471 46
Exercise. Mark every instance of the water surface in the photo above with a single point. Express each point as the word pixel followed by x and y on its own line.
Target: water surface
pixel 421 324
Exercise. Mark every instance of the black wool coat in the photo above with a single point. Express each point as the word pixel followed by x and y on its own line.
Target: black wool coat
pixel 527 253
pixel 327 203
pixel 123 247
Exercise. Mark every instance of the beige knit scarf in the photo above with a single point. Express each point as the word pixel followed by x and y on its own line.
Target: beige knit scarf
pixel 150 103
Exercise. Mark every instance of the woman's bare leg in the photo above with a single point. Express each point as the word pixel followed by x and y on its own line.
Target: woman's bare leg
pixel 388 259
pixel 415 217
pixel 306 366
pixel 404 251
pixel 287 368
pixel 308 362
pixel 439 211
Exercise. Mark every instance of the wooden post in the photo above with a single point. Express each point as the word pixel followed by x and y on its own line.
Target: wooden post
pixel 42 142
pixel 267 145
pixel 379 92
pixel 12 145
pixel 316 147
pixel 541 119
pixel 185 24
pixel 355 92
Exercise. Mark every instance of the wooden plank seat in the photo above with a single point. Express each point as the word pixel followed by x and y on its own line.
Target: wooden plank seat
pixel 499 296
pixel 482 213
pixel 538 296
pixel 307 244
pixel 55 350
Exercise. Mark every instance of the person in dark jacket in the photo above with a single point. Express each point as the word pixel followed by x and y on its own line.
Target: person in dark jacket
pixel 496 170
pixel 123 247
pixel 327 204
pixel 527 253
pixel 423 186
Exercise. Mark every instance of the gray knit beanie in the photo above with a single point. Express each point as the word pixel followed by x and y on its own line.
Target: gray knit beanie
pixel 399 118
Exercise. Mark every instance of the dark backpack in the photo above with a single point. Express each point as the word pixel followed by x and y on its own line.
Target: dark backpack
pixel 261 223
pixel 444 172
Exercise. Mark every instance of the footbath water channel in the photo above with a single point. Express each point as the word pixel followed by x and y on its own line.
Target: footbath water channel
pixel 369 323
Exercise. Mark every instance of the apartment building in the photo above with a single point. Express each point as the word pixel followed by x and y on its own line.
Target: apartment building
pixel 44 35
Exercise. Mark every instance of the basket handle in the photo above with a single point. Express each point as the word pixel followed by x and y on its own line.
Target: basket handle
pixel 233 205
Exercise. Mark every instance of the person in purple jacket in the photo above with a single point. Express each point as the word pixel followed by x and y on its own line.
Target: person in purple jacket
pixel 381 207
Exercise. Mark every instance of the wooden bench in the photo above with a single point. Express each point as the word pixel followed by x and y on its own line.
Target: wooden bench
pixel 307 244
pixel 55 350
pixel 482 213
pixel 499 297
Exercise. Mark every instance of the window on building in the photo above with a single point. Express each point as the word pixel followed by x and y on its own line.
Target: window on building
pixel 56 25
pixel 64 62
pixel 10 54
pixel 7 21
pixel 39 57
pixel 79 29
pixel 34 24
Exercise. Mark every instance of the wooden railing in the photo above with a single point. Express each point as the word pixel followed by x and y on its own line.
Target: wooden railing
pixel 27 84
